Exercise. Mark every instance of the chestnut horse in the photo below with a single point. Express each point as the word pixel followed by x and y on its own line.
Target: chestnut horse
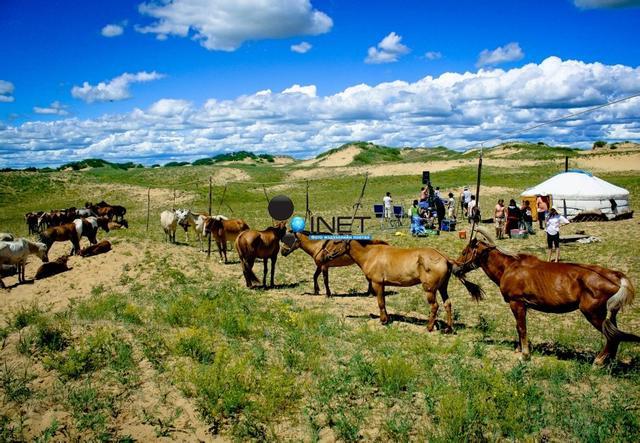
pixel 224 230
pixel 390 266
pixel 528 282
pixel 316 249
pixel 252 244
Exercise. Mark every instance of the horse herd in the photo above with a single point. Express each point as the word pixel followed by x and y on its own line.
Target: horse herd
pixel 58 226
pixel 524 281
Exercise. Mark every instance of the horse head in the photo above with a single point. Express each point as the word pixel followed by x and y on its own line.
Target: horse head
pixel 280 229
pixel 290 242
pixel 42 252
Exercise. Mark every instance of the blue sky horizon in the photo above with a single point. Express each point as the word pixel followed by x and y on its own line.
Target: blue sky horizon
pixel 156 81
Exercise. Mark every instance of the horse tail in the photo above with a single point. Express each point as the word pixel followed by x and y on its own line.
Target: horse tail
pixel 624 297
pixel 476 292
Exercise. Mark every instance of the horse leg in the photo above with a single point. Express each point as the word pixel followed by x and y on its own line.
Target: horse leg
pixel 596 314
pixel 316 287
pixel 219 249
pixel 264 276
pixel 325 276
pixel 224 250
pixel 273 268
pixel 369 288
pixel 520 313
pixel 449 309
pixel 378 289
pixel 433 302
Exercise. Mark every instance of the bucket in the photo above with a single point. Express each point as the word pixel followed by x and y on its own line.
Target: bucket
pixel 462 234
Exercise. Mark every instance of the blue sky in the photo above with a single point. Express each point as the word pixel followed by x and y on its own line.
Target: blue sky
pixel 182 78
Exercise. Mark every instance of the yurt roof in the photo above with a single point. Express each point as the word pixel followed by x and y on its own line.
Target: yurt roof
pixel 578 185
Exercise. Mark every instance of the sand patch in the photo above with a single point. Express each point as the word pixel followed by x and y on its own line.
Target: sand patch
pixel 608 163
pixel 341 158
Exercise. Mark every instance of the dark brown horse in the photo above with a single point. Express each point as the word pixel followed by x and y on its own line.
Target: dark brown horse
pixel 316 249
pixel 527 282
pixel 390 266
pixel 252 244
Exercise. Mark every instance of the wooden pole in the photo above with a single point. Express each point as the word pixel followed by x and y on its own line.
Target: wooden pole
pixel 148 206
pixel 358 204
pixel 566 164
pixel 174 199
pixel 209 234
pixel 473 225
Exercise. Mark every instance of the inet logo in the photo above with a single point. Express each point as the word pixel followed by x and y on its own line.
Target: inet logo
pixel 341 227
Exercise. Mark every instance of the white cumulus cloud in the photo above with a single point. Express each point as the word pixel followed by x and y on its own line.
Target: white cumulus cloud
pixel 433 55
pixel 115 89
pixel 301 48
pixel 224 25
pixel 502 54
pixel 55 108
pixel 453 109
pixel 112 30
pixel 595 4
pixel 6 91
pixel 389 50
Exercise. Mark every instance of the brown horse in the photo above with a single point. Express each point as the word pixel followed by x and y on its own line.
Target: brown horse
pixel 390 266
pixel 224 230
pixel 99 248
pixel 80 227
pixel 252 244
pixel 528 282
pixel 317 249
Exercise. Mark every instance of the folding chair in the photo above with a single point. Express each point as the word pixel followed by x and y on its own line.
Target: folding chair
pixel 398 213
pixel 378 212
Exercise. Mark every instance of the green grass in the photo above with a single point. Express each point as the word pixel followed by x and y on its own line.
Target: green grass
pixel 285 365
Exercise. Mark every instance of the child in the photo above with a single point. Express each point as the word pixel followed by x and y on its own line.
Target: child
pixel 554 222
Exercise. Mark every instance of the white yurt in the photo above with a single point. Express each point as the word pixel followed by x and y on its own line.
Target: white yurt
pixel 581 192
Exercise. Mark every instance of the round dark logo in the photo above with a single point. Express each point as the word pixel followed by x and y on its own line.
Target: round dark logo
pixel 280 207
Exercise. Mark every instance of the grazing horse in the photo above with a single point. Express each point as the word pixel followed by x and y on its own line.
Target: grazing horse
pixel 224 230
pixel 117 210
pixel 169 223
pixel 390 266
pixel 528 282
pixel 32 222
pixel 252 244
pixel 17 252
pixel 316 249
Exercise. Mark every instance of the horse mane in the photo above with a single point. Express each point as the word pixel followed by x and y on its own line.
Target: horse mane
pixel 489 240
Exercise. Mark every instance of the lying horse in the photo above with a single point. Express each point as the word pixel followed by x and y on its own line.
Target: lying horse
pixel 252 244
pixel 17 252
pixel 224 230
pixel 390 266
pixel 528 282
pixel 317 249
pixel 52 268
pixel 99 248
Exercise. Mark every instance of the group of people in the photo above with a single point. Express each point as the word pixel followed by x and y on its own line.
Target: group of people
pixel 512 217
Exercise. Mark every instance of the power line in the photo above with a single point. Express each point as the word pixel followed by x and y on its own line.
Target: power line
pixel 555 120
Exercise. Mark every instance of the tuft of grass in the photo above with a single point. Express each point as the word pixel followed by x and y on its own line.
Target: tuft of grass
pixel 395 374
pixel 110 306
pixel 197 344
pixel 15 384
pixel 26 316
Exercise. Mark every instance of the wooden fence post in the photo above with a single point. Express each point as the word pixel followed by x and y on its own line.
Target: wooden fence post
pixel 210 214
pixel 148 206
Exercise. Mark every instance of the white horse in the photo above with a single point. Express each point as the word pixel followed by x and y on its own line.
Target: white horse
pixel 169 223
pixel 17 252
pixel 5 236
pixel 191 221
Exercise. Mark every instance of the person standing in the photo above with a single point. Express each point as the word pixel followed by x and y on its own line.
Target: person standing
pixel 451 207
pixel 388 209
pixel 437 192
pixel 542 207
pixel 466 198
pixel 423 194
pixel 513 217
pixel 473 210
pixel 527 217
pixel 499 219
pixel 554 222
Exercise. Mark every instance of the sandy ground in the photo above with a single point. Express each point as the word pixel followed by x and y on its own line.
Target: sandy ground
pixel 608 163
pixel 340 158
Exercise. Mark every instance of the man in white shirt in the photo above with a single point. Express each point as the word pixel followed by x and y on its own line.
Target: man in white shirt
pixel 554 222
pixel 388 210
pixel 466 198
pixel 473 210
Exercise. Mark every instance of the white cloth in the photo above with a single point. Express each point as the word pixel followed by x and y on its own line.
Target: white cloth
pixel 387 201
pixel 472 204
pixel 554 223
pixel 466 195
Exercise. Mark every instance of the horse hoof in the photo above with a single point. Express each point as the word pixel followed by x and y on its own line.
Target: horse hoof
pixel 525 357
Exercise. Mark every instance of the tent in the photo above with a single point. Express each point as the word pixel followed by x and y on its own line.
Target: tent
pixel 581 192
